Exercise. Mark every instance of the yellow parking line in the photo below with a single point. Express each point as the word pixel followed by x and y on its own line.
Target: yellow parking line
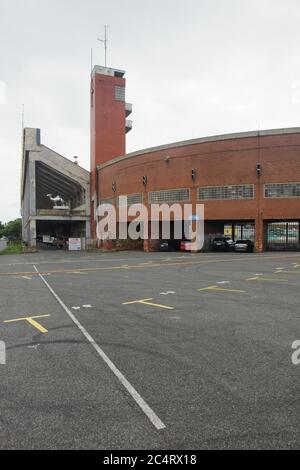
pixel 147 302
pixel 222 289
pixel 288 272
pixel 154 265
pixel 32 322
pixel 78 272
pixel 259 278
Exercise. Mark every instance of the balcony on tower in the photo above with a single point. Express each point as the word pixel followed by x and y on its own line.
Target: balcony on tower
pixel 128 125
pixel 128 109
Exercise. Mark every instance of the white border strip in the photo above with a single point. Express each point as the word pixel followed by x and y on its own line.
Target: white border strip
pixel 158 424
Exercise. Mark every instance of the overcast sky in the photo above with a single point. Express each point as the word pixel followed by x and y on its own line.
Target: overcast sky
pixel 193 68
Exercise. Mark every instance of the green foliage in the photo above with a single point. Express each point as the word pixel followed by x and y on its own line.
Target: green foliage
pixel 12 230
pixel 14 249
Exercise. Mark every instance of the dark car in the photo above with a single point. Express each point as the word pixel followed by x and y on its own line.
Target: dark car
pixel 223 244
pixel 243 245
pixel 169 245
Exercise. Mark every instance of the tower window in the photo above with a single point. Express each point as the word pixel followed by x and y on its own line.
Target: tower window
pixel 120 93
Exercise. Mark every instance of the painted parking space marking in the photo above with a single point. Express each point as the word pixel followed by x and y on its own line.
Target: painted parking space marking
pixel 222 289
pixel 285 271
pixel 78 307
pixel 32 322
pixel 168 292
pixel 78 272
pixel 143 405
pixel 23 277
pixel 267 279
pixel 155 264
pixel 148 302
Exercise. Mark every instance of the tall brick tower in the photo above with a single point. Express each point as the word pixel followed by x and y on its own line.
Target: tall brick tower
pixel 108 122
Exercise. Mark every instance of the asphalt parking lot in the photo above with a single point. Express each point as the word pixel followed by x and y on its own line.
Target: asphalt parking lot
pixel 149 351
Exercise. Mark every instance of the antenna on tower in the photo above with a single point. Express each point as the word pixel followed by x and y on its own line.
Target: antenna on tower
pixel 23 116
pixel 104 41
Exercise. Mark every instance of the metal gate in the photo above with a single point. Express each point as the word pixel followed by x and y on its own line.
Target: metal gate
pixel 283 236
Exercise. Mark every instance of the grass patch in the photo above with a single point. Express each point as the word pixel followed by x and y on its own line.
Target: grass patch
pixel 16 249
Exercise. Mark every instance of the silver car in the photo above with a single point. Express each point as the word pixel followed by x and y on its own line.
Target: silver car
pixel 243 245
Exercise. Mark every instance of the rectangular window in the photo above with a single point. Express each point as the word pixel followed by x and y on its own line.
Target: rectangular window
pixel 120 93
pixel 240 191
pixel 282 190
pixel 169 195
pixel 136 198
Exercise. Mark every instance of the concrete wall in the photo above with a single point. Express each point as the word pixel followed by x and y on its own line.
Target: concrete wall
pixel 33 152
pixel 3 245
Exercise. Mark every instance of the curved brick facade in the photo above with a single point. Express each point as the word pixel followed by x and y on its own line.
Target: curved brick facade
pixel 220 161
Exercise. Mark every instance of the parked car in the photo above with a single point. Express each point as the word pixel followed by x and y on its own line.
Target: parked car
pixel 244 245
pixel 185 245
pixel 223 244
pixel 169 245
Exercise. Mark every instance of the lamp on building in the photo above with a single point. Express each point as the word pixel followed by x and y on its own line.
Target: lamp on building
pixel 75 160
pixel 194 174
pixel 114 186
pixel 145 180
pixel 258 169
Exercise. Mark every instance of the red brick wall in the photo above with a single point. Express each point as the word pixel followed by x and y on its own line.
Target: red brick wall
pixel 218 163
pixel 107 124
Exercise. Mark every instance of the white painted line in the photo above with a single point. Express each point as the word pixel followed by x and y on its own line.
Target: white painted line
pixel 87 306
pixel 76 308
pixel 22 277
pixel 157 423
pixel 223 282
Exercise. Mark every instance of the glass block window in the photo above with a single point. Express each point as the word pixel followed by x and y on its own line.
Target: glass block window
pixel 120 93
pixel 136 198
pixel 238 191
pixel 169 195
pixel 282 190
pixel 107 202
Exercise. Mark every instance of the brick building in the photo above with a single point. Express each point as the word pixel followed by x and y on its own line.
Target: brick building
pixel 248 182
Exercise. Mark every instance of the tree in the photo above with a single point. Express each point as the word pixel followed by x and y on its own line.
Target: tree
pixel 12 230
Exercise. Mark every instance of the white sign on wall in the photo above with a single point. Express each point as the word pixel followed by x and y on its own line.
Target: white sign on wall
pixel 74 244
